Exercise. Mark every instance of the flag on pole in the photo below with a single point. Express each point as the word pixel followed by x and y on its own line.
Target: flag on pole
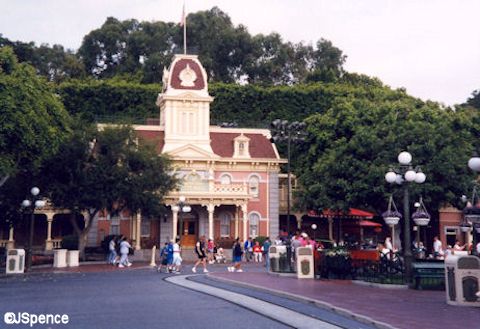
pixel 182 21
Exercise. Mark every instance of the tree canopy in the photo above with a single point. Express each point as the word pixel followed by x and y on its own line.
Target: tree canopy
pixel 106 168
pixel 33 120
pixel 354 142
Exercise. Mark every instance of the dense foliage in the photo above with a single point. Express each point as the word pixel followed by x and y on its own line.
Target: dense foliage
pixel 106 168
pixel 33 120
pixel 352 145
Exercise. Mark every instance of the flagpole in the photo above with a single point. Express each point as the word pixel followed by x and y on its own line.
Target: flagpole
pixel 184 31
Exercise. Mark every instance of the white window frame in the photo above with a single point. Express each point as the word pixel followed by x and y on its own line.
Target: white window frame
pixel 254 185
pixel 254 219
pixel 225 220
pixel 226 175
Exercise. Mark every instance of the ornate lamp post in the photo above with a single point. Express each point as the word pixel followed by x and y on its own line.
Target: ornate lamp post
pixel 314 228
pixel 181 207
pixel 471 213
pixel 32 204
pixel 283 131
pixel 403 174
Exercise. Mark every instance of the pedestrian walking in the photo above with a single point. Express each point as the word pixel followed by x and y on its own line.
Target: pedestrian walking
pixel 237 257
pixel 112 252
pixel 163 258
pixel 201 254
pixel 266 252
pixel 248 247
pixel 210 251
pixel 124 250
pixel 170 256
pixel 177 258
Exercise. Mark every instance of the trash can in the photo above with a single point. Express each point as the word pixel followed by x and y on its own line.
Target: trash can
pixel 462 280
pixel 60 258
pixel 274 258
pixel 305 267
pixel 72 258
pixel 15 261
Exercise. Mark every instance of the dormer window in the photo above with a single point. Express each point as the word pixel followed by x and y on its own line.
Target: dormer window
pixel 241 147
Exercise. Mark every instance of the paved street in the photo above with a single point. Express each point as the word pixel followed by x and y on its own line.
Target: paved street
pixel 122 299
pixel 101 296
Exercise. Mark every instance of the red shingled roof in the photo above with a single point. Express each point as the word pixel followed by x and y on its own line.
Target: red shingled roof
pixel 222 143
pixel 157 137
pixel 259 146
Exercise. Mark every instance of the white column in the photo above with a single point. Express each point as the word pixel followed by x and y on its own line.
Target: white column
pixel 245 232
pixel 138 230
pixel 236 222
pixel 11 241
pixel 48 242
pixel 210 209
pixel 174 222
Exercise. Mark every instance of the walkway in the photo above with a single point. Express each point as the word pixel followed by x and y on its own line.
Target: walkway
pixel 401 308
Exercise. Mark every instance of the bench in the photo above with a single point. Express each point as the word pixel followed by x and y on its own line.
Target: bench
pixel 430 275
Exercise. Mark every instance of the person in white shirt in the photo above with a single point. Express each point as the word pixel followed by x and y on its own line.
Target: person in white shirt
pixel 478 248
pixel 124 249
pixel 437 248
pixel 388 243
pixel 177 259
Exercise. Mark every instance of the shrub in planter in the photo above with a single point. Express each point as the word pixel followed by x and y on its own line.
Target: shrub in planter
pixel 70 242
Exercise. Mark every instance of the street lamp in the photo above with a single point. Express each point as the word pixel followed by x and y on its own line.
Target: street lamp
pixel 34 203
pixel 314 228
pixel 403 174
pixel 471 213
pixel 181 207
pixel 283 131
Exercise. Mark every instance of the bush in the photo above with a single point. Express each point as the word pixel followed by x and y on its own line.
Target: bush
pixel 70 242
pixel 261 239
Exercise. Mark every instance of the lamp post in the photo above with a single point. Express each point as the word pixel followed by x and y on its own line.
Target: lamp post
pixel 294 132
pixel 181 207
pixel 34 203
pixel 471 213
pixel 403 174
pixel 314 228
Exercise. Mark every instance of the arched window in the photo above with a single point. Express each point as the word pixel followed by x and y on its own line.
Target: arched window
pixel 225 179
pixel 254 219
pixel 253 183
pixel 225 219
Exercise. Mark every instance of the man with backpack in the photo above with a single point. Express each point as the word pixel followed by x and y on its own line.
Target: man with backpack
pixel 201 254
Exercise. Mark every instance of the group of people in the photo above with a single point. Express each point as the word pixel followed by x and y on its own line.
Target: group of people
pixel 116 246
pixel 170 257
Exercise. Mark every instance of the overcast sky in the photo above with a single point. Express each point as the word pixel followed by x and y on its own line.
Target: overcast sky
pixel 430 47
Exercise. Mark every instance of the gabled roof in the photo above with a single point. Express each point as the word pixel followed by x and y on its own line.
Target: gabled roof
pixel 259 146
pixel 222 143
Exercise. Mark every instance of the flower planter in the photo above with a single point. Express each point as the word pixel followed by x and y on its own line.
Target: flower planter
pixel 391 220
pixel 422 221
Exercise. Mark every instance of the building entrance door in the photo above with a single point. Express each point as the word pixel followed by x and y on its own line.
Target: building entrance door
pixel 189 232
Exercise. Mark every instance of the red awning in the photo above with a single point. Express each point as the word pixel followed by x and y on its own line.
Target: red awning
pixel 367 223
pixel 353 212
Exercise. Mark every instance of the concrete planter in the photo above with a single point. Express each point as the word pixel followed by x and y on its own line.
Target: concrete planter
pixel 60 258
pixel 72 258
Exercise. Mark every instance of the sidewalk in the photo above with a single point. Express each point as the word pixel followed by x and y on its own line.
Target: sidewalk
pixel 400 308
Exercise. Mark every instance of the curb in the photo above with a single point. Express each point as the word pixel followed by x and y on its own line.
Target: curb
pixel 319 303
pixel 381 285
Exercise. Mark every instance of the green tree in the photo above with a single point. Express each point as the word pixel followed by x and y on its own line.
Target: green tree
pixel 34 122
pixel 106 169
pixel 474 100
pixel 352 144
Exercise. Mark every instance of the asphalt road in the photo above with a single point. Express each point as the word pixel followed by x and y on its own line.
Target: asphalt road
pixel 141 298
pixel 121 299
